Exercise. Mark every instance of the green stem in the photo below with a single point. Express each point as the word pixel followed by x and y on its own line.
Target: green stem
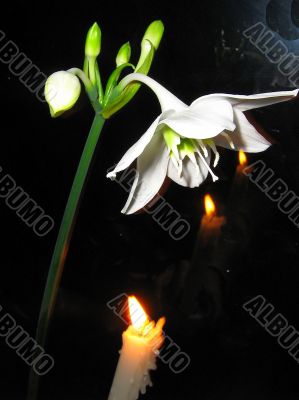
pixel 99 83
pixel 89 87
pixel 62 245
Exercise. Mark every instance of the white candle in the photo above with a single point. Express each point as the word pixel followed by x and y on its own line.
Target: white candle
pixel 141 343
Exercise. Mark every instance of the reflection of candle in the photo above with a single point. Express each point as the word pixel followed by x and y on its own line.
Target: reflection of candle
pixel 242 158
pixel 239 176
pixel 210 226
pixel 141 342
pixel 206 242
pixel 239 188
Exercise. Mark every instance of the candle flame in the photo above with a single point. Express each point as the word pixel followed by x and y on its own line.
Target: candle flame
pixel 209 206
pixel 242 158
pixel 137 314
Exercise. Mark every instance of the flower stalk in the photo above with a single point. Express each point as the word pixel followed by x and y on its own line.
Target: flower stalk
pixel 62 243
pixel 62 90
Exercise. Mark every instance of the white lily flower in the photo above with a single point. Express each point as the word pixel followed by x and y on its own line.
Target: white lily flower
pixel 181 140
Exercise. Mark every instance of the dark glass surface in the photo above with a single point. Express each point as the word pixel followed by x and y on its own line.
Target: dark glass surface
pixel 204 50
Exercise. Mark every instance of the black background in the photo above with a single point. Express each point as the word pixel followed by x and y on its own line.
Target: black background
pixel 203 51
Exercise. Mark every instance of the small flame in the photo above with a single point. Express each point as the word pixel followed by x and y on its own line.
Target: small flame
pixel 209 205
pixel 242 158
pixel 137 314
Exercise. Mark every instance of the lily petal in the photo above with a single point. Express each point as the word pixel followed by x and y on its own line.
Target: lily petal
pixel 151 172
pixel 245 137
pixel 192 175
pixel 135 150
pixel 166 99
pixel 244 103
pixel 204 123
pixel 222 108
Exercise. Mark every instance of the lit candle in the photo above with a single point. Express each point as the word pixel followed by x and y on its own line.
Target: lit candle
pixel 210 226
pixel 141 343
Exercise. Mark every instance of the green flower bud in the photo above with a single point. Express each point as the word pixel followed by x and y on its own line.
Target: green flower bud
pixel 154 33
pixel 62 90
pixel 150 40
pixel 123 55
pixel 149 44
pixel 93 41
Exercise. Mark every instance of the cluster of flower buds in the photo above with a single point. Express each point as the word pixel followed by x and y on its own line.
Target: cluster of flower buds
pixel 62 88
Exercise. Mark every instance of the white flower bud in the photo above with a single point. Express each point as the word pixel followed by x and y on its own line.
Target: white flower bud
pixel 62 90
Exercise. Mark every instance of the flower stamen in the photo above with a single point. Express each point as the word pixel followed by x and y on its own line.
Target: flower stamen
pixel 214 150
pixel 176 161
pixel 203 148
pixel 229 139
pixel 214 177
